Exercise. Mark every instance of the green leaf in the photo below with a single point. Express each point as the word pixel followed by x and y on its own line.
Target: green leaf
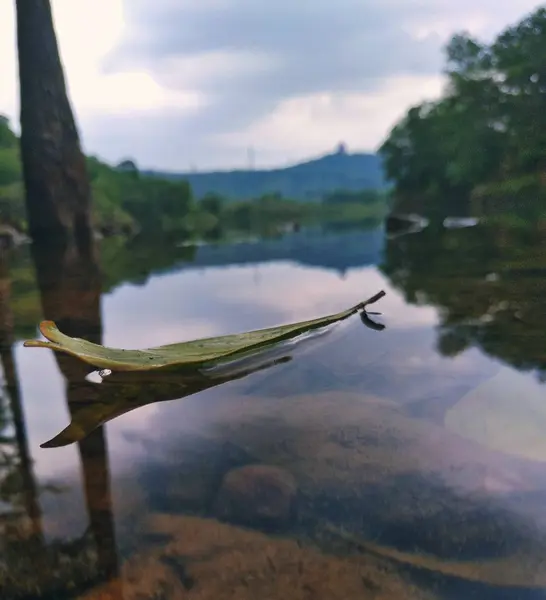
pixel 141 377
pixel 191 355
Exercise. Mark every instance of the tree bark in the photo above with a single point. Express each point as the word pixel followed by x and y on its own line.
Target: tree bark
pixel 58 194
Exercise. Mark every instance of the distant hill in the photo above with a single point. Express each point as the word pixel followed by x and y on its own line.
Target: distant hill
pixel 305 181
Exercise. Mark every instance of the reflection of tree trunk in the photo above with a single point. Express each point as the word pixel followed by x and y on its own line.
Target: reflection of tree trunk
pixel 94 456
pixel 70 290
pixel 58 192
pixel 6 316
pixel 30 489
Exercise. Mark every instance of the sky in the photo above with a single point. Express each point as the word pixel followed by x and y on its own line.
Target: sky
pixel 196 84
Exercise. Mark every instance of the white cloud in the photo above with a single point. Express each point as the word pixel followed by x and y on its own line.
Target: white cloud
pixel 86 33
pixel 359 119
pixel 198 82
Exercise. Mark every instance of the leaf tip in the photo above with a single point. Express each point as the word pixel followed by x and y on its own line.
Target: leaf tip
pixel 48 327
pixel 48 330
pixel 375 298
pixel 57 442
pixel 35 344
pixel 69 435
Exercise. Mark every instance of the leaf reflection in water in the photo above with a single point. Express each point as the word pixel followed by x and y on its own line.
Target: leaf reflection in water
pixel 123 392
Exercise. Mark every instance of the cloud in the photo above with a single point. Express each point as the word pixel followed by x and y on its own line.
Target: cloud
pixel 247 57
pixel 257 53
pixel 292 77
pixel 175 83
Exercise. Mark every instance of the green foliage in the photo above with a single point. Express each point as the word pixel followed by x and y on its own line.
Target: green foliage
pixel 212 203
pixel 123 200
pixel 341 197
pixel 488 128
pixel 12 205
pixel 10 164
pixel 126 201
pixel 270 212
pixel 8 139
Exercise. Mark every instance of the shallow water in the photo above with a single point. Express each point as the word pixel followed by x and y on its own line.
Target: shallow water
pixel 407 462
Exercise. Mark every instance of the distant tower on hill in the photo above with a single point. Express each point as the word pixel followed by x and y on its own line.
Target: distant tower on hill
pixel 341 148
pixel 127 164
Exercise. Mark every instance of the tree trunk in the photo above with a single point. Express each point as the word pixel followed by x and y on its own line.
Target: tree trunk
pixel 58 194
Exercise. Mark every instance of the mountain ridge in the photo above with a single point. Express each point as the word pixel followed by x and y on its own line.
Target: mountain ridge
pixel 307 180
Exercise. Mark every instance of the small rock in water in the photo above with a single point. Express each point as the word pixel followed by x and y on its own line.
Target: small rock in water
pixel 257 494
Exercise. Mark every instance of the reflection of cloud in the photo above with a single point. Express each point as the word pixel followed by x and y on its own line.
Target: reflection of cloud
pixel 303 293
pixel 505 413
pixel 45 409
pixel 188 305
pixel 216 301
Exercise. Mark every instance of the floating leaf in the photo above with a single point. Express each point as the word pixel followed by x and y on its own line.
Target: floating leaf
pixel 191 355
pixel 175 372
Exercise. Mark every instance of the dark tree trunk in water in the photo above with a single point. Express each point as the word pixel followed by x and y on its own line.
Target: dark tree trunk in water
pixel 58 192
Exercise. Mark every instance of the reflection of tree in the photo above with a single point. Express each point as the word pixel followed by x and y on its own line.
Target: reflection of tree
pixel 70 291
pixel 122 260
pixel 18 482
pixel 487 283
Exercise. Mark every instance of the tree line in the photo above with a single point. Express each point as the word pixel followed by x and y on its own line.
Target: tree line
pixel 126 201
pixel 485 138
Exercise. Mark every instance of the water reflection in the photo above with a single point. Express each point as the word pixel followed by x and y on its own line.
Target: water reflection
pixel 487 283
pixel 19 477
pixel 347 473
pixel 94 404
pixel 69 289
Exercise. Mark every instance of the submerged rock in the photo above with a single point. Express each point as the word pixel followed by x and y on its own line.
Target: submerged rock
pixel 257 494
pixel 187 477
pixel 363 465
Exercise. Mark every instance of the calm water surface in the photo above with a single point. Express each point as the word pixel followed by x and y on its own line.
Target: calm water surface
pixel 404 462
